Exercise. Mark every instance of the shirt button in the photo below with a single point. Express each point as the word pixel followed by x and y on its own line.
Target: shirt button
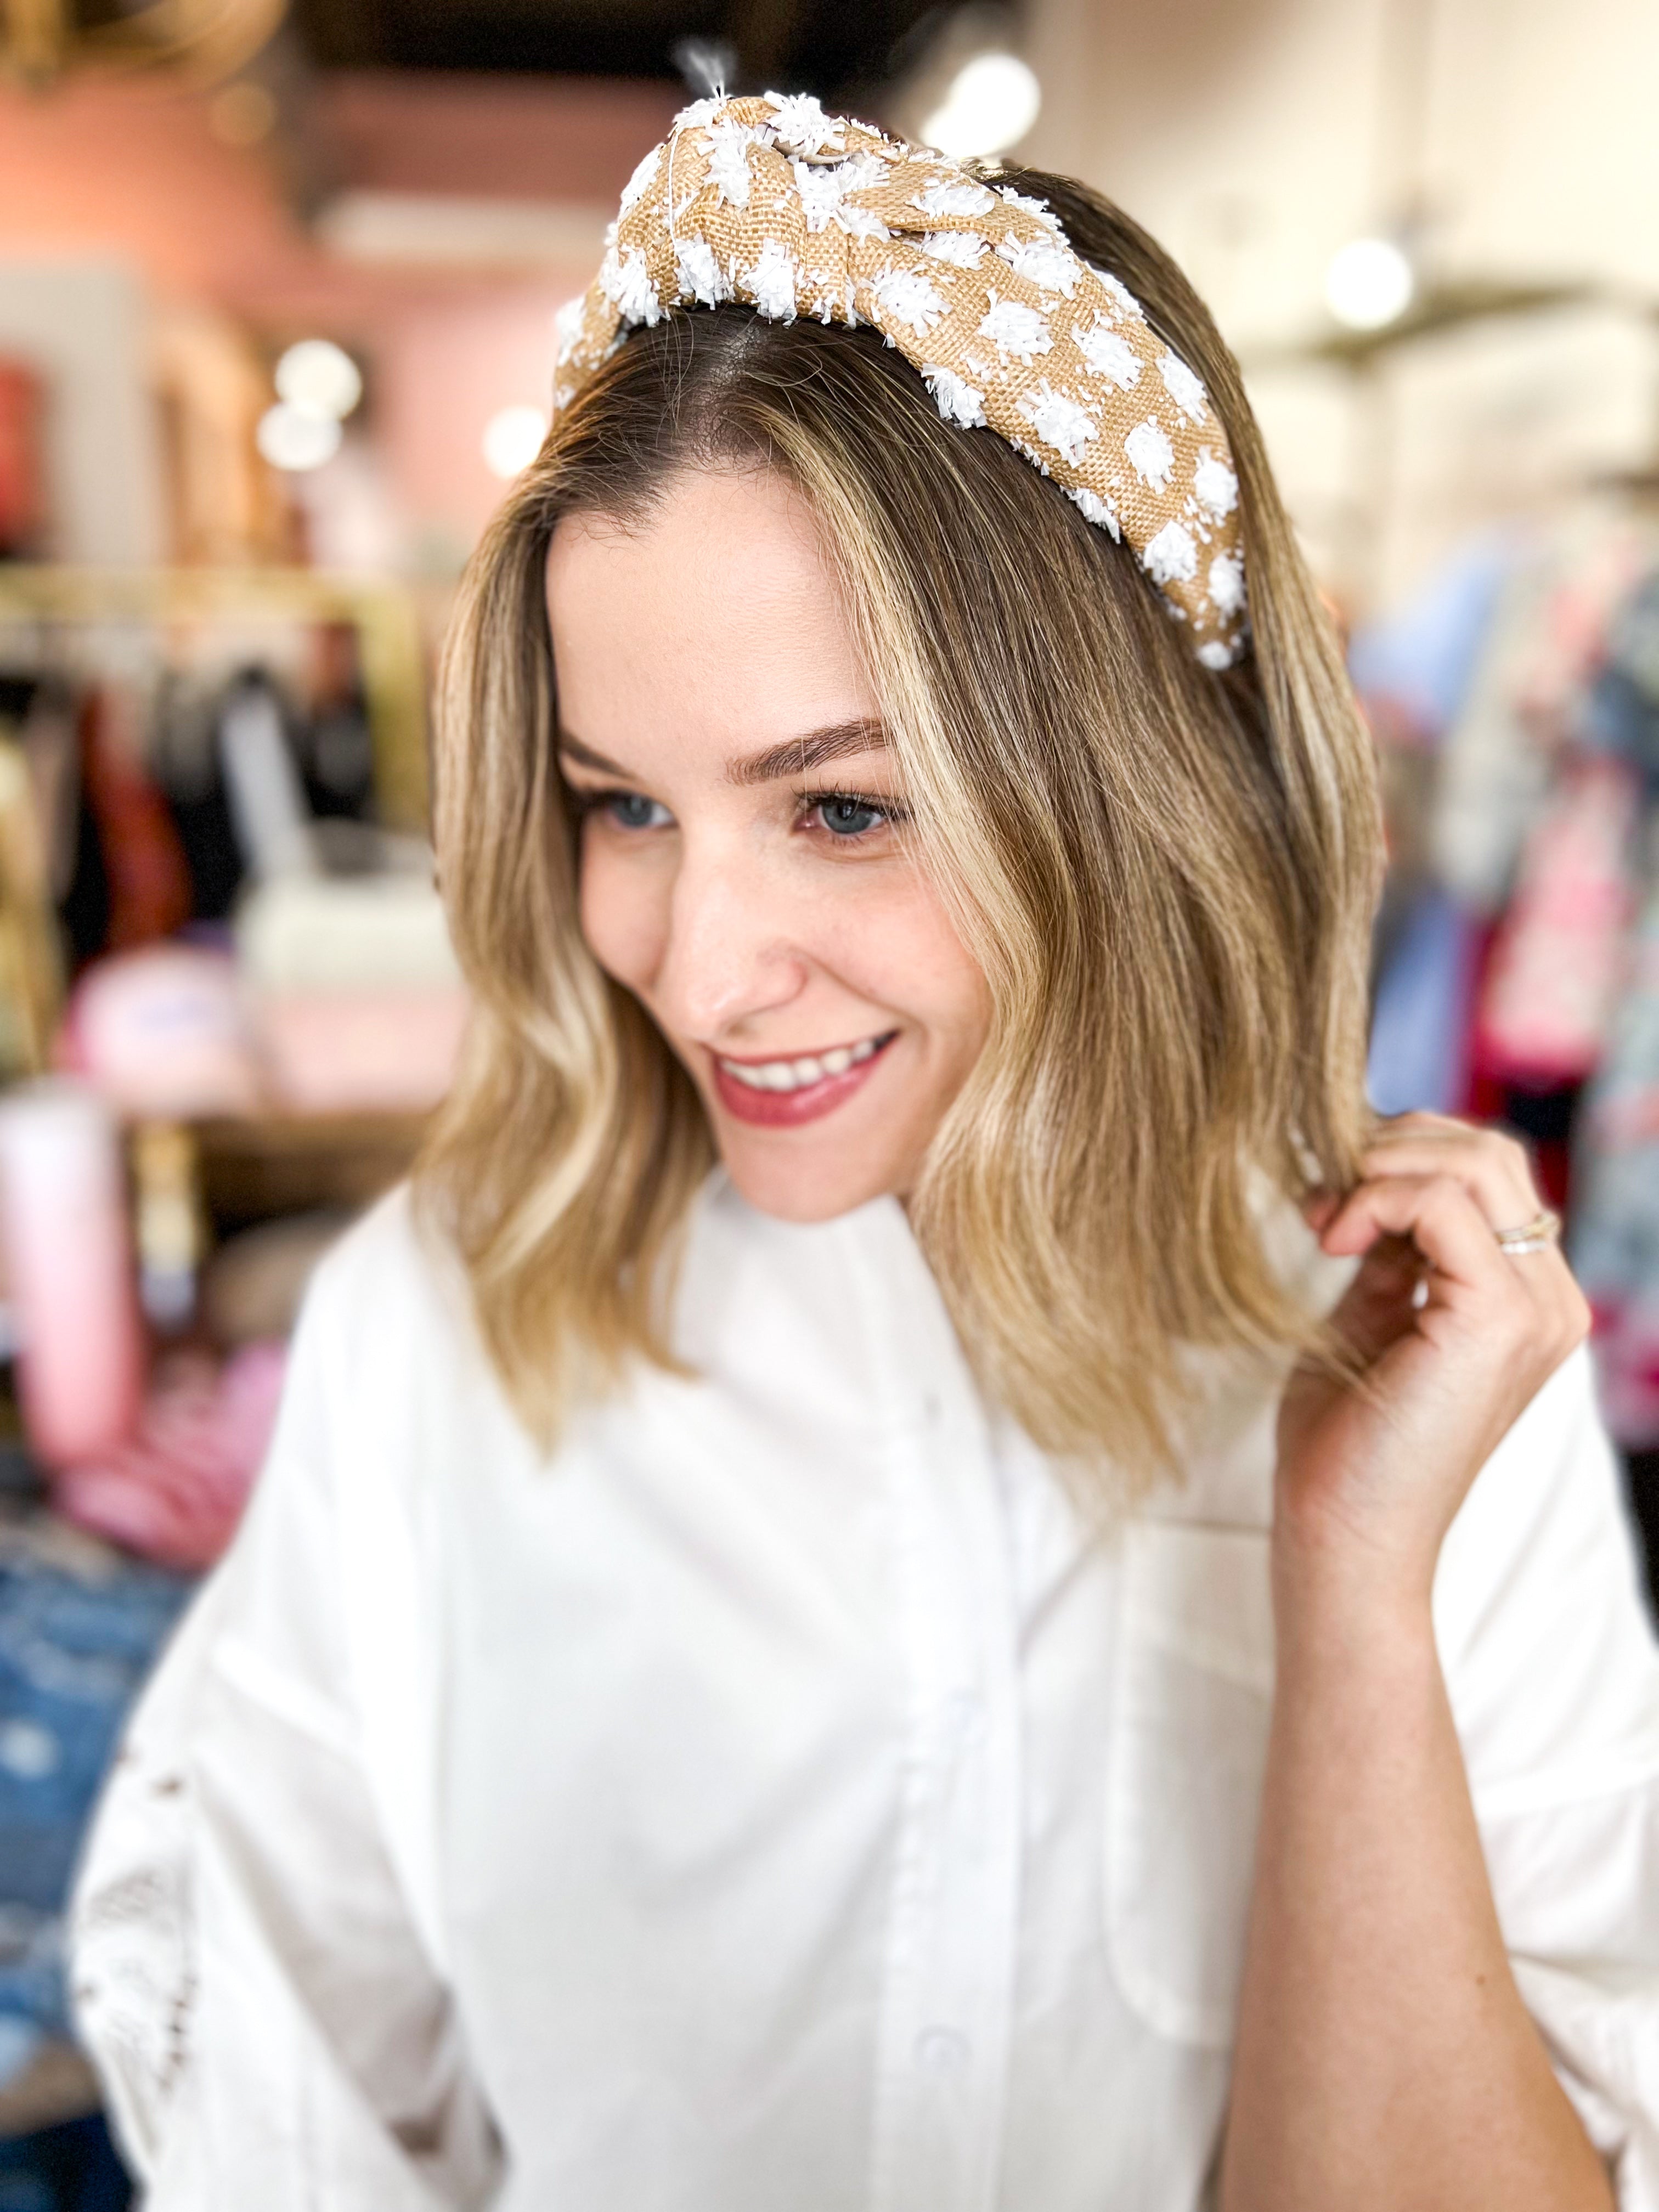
pixel 941 2050
pixel 963 1720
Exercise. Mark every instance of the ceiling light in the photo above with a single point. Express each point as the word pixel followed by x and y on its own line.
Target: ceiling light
pixel 513 439
pixel 990 104
pixel 319 379
pixel 291 441
pixel 1370 283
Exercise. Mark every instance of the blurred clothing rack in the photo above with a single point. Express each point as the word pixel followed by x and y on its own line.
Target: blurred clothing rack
pixel 383 615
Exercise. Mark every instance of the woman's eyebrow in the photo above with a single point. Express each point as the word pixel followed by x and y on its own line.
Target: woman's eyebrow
pixel 793 757
pixel 798 755
pixel 585 756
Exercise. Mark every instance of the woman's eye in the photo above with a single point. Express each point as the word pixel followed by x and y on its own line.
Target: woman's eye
pixel 631 810
pixel 845 817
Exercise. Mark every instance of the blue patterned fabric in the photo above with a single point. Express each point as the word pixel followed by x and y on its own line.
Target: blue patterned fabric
pixel 71 2168
pixel 79 1632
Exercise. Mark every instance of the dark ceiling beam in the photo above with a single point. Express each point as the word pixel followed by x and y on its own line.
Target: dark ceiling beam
pixel 821 45
pixel 764 34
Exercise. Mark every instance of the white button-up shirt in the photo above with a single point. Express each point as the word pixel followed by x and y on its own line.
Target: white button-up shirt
pixel 784 1796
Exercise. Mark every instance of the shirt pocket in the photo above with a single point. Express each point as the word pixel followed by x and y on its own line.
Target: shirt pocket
pixel 1193 1705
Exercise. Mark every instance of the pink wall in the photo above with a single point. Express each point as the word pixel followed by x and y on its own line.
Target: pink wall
pixel 132 170
pixel 444 368
pixel 528 138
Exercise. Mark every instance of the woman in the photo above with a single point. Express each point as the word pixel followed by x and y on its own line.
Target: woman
pixel 796 1646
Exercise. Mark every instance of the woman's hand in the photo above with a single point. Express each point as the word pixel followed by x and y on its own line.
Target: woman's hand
pixel 1452 1337
pixel 1383 2055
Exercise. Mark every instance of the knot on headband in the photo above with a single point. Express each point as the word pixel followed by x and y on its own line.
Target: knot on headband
pixel 771 203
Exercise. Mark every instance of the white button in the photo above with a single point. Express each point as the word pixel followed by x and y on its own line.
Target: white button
pixel 941 2050
pixel 963 1720
pixel 933 1406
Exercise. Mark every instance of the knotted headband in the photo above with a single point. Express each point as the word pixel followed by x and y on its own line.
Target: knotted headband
pixel 771 203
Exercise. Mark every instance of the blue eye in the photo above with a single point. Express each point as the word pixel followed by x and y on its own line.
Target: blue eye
pixel 631 810
pixel 844 816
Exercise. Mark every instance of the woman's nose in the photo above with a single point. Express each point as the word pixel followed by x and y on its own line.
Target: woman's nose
pixel 730 951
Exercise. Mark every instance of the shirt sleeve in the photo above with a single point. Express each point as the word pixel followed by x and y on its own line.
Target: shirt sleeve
pixel 270 2028
pixel 1553 1674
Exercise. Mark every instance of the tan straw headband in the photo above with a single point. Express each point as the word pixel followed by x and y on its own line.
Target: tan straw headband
pixel 773 204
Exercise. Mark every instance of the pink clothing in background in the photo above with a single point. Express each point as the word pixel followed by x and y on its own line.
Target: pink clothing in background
pixel 175 1492
pixel 1558 963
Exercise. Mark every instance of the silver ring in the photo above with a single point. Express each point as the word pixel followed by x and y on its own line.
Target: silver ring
pixel 1538 1235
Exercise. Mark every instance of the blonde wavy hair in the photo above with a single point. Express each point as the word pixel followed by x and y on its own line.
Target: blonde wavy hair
pixel 1167 875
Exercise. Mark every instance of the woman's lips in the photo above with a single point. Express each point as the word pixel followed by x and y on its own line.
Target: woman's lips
pixel 788 1109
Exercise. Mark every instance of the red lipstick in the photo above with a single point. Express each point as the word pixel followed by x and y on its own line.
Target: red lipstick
pixel 788 1109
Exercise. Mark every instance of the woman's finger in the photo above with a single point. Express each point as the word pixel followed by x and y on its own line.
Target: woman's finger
pixel 1493 1167
pixel 1320 1207
pixel 1420 1122
pixel 1468 1268
pixel 1441 1217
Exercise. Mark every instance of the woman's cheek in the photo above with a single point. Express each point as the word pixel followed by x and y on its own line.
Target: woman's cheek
pixel 624 911
pixel 917 945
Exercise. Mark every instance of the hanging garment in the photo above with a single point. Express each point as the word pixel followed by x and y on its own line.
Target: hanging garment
pixel 147 882
pixel 1422 657
pixel 1418 1056
pixel 1558 963
pixel 779 1799
pixel 1615 1222
pixel 1528 699
pixel 1623 705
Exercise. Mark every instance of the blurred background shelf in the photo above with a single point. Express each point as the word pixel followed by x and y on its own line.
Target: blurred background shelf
pixel 260 1167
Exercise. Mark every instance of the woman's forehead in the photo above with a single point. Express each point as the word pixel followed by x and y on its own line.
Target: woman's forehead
pixel 712 616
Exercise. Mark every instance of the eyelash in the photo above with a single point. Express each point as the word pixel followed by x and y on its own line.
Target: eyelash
pixel 893 814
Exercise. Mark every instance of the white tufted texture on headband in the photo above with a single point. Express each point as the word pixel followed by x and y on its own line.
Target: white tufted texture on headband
pixel 772 203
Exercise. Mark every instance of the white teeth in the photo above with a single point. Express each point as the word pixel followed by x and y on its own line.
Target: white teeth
pixel 796 1074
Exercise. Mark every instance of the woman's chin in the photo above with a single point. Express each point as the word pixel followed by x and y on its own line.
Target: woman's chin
pixel 778 1173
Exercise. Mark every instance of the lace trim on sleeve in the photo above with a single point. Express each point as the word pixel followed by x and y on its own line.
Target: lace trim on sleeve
pixel 135 1977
